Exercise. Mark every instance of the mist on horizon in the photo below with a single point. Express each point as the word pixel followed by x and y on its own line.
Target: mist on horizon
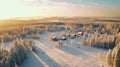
pixel 50 8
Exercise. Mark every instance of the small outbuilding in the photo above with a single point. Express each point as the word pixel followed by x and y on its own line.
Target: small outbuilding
pixel 80 33
pixel 64 38
pixel 54 38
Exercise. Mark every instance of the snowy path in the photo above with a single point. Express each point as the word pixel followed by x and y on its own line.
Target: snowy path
pixel 39 59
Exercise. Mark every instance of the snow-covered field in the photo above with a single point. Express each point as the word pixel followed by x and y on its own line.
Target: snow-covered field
pixel 71 54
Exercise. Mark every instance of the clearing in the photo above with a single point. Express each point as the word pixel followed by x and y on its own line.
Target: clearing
pixel 71 54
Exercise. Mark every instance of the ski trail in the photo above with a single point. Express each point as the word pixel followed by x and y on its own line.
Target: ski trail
pixel 40 60
pixel 50 53
pixel 88 56
pixel 61 52
pixel 74 59
pixel 60 56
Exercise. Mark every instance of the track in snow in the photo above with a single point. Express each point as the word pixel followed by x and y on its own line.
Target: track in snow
pixel 65 59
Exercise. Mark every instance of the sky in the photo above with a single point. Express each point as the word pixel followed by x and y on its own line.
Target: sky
pixel 50 8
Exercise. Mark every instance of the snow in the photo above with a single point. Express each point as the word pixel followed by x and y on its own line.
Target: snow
pixel 31 61
pixel 72 54
pixel 7 44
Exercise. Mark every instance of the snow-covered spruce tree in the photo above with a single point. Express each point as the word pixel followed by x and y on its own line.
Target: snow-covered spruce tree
pixel 113 57
pixel 118 38
pixel 116 56
pixel 109 58
pixel 15 54
pixel 18 51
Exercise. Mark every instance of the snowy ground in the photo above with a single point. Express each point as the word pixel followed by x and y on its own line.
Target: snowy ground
pixel 7 44
pixel 72 54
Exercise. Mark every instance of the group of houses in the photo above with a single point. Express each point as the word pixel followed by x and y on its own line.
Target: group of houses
pixel 66 36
